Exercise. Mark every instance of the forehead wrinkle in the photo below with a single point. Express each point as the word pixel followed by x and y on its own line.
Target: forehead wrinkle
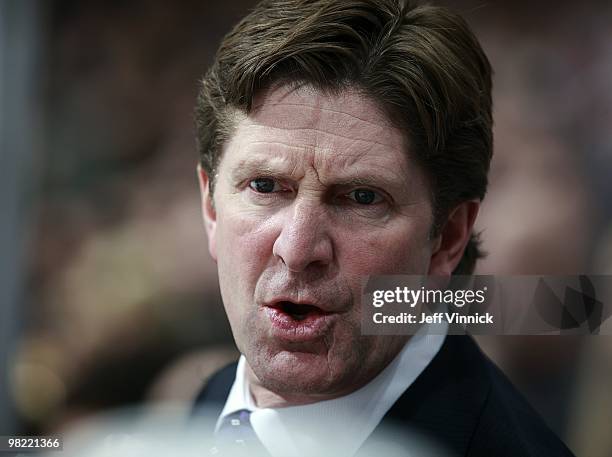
pixel 315 132
pixel 385 124
pixel 277 143
pixel 314 109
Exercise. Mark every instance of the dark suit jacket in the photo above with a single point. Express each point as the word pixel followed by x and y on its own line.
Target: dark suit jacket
pixel 461 401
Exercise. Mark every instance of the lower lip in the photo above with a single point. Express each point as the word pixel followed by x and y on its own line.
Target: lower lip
pixel 311 327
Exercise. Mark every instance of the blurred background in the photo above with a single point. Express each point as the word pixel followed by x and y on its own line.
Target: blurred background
pixel 107 295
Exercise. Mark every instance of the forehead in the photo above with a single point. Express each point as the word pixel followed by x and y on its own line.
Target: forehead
pixel 327 131
pixel 307 108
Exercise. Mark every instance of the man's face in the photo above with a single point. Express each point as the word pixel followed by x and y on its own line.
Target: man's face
pixel 313 194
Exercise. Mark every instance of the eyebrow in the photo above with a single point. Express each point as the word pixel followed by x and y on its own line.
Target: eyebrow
pixel 246 168
pixel 249 167
pixel 369 180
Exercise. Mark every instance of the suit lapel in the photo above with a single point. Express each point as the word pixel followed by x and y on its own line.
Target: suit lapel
pixel 212 398
pixel 445 402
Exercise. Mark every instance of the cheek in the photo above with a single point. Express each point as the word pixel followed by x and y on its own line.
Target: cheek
pixel 403 249
pixel 244 248
pixel 244 241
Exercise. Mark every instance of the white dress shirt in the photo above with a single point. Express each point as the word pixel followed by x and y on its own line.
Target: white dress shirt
pixel 340 426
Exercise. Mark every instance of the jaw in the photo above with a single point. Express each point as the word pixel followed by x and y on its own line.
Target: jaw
pixel 283 375
pixel 292 377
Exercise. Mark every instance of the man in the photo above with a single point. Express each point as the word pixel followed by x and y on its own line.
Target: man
pixel 340 140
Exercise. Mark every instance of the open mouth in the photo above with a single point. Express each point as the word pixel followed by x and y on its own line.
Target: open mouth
pixel 299 312
pixel 298 322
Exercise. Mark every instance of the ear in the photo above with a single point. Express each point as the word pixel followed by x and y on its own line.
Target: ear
pixel 452 240
pixel 208 212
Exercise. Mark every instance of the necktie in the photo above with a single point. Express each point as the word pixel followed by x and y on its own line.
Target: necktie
pixel 236 436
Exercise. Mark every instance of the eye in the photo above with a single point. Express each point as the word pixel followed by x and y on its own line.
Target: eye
pixel 264 185
pixel 365 196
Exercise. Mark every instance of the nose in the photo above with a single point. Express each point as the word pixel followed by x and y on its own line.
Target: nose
pixel 304 241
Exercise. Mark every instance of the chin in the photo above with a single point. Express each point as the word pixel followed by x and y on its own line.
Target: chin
pixel 295 373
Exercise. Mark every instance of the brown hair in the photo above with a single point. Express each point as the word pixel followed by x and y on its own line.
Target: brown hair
pixel 422 64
